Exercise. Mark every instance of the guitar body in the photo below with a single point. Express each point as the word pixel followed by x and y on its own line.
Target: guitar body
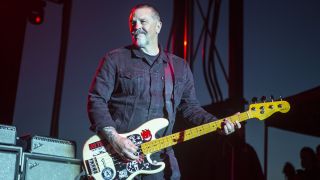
pixel 103 163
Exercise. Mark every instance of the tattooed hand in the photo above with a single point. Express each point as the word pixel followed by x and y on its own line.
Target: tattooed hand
pixel 123 146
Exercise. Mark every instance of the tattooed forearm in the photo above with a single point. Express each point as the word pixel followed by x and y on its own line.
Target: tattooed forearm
pixel 109 133
pixel 123 146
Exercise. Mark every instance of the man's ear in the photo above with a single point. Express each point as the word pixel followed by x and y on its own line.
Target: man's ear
pixel 158 27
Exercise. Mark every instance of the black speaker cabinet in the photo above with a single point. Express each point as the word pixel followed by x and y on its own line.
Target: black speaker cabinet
pixel 46 167
pixel 10 161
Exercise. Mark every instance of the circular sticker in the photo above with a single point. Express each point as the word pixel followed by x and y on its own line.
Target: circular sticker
pixel 107 173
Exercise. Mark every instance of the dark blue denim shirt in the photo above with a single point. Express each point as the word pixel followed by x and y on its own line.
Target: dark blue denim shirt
pixel 127 91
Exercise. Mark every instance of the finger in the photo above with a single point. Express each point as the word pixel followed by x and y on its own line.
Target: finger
pixel 225 128
pixel 237 125
pixel 133 146
pixel 229 126
pixel 130 146
pixel 131 150
pixel 121 153
pixel 130 155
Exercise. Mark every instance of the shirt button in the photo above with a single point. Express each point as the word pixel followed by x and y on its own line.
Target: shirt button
pixel 162 78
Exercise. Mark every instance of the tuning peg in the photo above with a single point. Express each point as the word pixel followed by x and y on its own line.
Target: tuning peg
pixel 272 98
pixel 263 99
pixel 254 100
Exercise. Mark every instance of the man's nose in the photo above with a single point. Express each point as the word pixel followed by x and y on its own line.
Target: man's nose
pixel 137 25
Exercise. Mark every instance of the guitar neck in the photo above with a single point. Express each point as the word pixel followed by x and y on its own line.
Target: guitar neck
pixel 182 136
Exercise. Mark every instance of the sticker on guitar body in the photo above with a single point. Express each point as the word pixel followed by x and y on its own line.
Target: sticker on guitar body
pixel 111 165
pixel 146 135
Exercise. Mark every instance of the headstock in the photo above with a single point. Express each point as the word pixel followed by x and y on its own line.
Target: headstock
pixel 264 110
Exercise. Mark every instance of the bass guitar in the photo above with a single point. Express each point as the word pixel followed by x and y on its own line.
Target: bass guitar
pixel 101 162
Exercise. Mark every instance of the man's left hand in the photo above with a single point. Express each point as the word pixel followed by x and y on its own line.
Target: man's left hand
pixel 228 127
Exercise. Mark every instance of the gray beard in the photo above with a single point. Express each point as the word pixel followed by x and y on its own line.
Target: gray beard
pixel 141 43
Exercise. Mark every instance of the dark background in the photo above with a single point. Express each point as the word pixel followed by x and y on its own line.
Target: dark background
pixel 281 57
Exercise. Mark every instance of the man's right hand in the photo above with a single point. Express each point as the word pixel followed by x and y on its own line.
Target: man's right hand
pixel 122 145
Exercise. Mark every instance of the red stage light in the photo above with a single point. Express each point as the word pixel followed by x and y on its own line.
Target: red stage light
pixel 185 43
pixel 36 11
pixel 38 19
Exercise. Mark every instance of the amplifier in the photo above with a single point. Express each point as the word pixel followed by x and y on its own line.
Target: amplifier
pixel 52 146
pixel 10 161
pixel 39 166
pixel 8 134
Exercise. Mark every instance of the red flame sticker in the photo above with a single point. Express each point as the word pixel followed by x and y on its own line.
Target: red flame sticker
pixel 146 135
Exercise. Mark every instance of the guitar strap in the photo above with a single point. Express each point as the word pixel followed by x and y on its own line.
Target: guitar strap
pixel 169 93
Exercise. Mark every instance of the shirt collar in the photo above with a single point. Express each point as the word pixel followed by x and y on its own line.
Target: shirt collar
pixel 136 52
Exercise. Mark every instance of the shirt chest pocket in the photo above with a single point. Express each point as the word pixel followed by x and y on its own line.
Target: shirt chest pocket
pixel 131 82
